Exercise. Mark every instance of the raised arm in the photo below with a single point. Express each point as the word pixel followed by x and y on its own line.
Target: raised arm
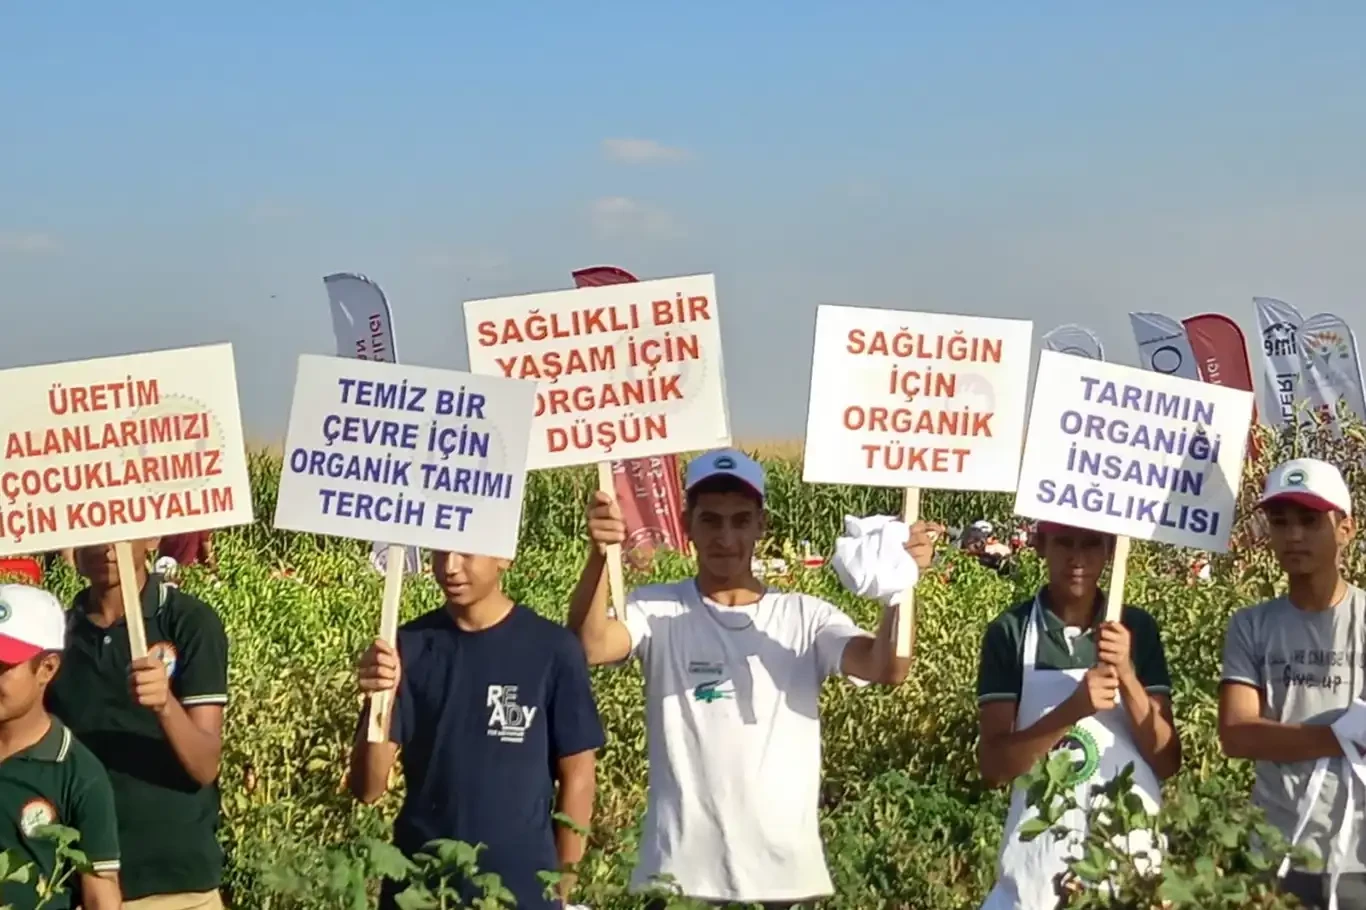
pixel 605 639
pixel 874 658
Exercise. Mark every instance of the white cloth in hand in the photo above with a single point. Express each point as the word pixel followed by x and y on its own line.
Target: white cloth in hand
pixel 1350 729
pixel 1352 724
pixel 871 559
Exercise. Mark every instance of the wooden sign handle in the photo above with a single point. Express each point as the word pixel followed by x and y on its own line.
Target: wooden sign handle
pixel 381 703
pixel 905 613
pixel 132 600
pixel 616 579
pixel 1119 573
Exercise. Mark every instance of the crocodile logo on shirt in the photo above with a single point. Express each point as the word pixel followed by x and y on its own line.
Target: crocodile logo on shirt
pixel 708 692
pixel 1085 756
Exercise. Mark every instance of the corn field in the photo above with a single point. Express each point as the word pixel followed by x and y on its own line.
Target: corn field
pixel 907 823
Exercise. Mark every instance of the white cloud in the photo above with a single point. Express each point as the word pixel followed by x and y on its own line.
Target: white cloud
pixel 31 243
pixel 642 151
pixel 616 216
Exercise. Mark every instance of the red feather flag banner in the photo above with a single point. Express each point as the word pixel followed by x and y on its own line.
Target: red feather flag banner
pixel 1221 355
pixel 647 489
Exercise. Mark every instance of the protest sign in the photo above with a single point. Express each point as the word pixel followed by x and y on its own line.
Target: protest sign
pixel 623 371
pixel 1134 453
pixel 411 456
pixel 924 400
pixel 119 449
pixel 916 400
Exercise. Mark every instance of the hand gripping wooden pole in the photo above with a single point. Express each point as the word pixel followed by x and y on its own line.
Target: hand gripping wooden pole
pixel 616 579
pixel 381 703
pixel 132 600
pixel 905 611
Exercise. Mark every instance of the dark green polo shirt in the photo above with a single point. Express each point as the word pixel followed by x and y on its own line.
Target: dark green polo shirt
pixel 168 823
pixel 1002 664
pixel 56 781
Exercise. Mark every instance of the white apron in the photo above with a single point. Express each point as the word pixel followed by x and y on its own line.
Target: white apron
pixel 1342 843
pixel 1028 870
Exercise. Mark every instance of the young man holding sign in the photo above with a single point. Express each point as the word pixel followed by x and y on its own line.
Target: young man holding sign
pixel 1054 676
pixel 156 724
pixel 47 777
pixel 1292 689
pixel 733 671
pixel 493 709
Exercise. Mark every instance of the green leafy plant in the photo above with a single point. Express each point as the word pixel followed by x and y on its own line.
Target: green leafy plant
pixel 1232 867
pixel 906 820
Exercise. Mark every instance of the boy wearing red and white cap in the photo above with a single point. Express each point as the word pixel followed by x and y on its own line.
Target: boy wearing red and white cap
pixel 1054 676
pixel 47 777
pixel 1291 692
pixel 733 670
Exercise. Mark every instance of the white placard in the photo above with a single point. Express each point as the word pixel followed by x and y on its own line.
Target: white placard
pixel 1133 452
pixel 923 400
pixel 622 371
pixel 121 448
pixel 406 455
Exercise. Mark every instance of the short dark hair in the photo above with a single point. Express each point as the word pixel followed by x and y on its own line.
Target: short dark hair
pixel 722 483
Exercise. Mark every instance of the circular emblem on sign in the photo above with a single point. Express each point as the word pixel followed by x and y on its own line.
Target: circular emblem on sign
pixel 178 445
pixel 166 652
pixel 35 814
pixel 1295 478
pixel 1166 359
pixel 1085 755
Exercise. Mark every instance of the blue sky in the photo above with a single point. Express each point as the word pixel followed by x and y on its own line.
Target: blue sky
pixel 173 176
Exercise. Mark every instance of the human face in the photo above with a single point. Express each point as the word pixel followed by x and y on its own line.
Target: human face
pixel 22 684
pixel 725 527
pixel 1306 541
pixel 467 579
pixel 99 565
pixel 1076 558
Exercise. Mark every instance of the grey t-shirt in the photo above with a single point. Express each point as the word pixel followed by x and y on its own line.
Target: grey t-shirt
pixel 1309 666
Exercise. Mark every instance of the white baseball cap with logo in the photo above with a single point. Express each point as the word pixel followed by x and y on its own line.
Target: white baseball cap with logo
pixel 1310 483
pixel 31 621
pixel 727 463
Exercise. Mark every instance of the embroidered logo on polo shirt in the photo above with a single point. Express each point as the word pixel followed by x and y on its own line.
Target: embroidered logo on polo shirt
pixel 1085 755
pixel 35 814
pixel 168 656
pixel 509 722
pixel 709 692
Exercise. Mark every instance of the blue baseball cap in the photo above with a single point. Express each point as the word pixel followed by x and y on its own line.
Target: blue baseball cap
pixel 727 462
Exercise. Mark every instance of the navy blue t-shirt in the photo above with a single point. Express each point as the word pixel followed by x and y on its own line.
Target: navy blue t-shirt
pixel 481 719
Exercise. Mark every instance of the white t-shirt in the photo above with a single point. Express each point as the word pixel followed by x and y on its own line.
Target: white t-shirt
pixel 734 740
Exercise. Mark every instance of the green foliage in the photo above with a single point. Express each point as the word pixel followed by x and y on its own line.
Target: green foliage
pixel 906 819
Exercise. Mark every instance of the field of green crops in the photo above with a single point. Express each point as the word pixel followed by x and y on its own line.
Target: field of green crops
pixel 907 822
